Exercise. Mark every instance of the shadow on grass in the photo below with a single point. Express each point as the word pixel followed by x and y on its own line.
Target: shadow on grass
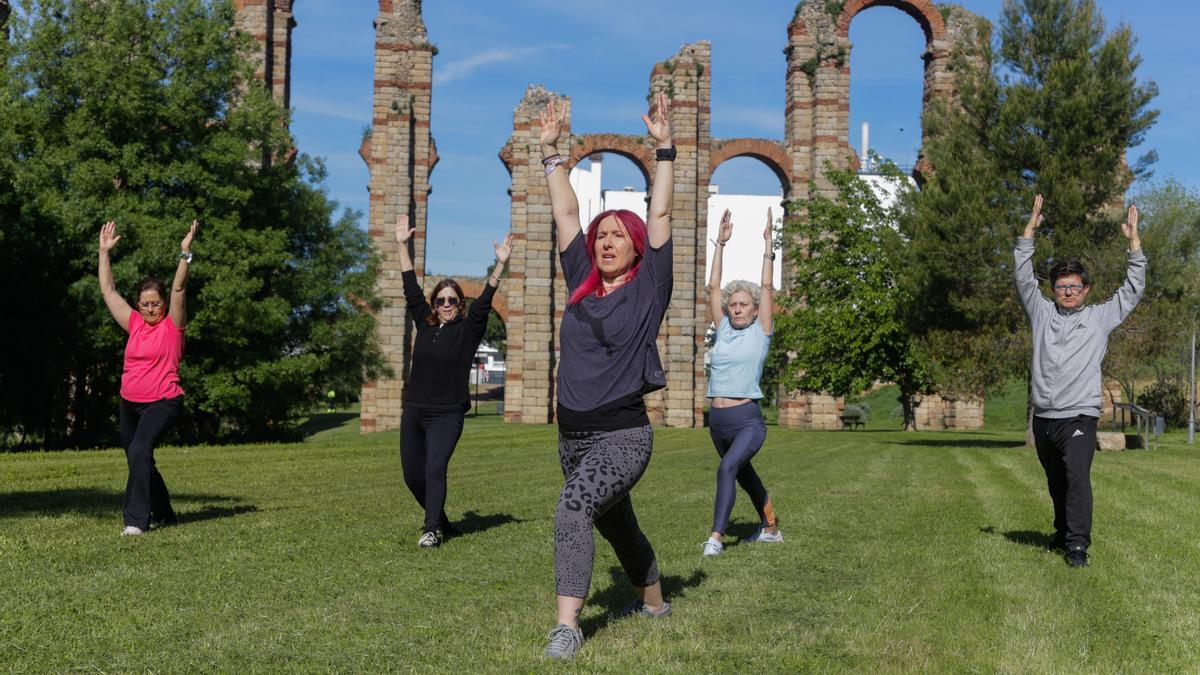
pixel 101 503
pixel 324 422
pixel 1023 537
pixel 743 530
pixel 964 443
pixel 473 521
pixel 619 593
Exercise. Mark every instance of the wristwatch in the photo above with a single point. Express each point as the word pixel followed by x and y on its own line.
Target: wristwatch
pixel 186 256
pixel 665 154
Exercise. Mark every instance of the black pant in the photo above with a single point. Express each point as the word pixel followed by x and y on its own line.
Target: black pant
pixel 428 435
pixel 142 424
pixel 1065 448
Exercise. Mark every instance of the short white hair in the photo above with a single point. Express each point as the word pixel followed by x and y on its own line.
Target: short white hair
pixel 740 286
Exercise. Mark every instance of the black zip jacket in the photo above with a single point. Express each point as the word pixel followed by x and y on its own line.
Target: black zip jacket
pixel 443 353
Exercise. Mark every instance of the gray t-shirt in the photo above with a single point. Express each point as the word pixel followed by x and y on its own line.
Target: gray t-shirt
pixel 607 344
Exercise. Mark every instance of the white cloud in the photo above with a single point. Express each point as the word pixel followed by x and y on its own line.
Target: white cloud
pixel 357 113
pixel 462 68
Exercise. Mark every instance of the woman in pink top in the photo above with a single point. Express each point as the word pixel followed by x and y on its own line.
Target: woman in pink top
pixel 150 394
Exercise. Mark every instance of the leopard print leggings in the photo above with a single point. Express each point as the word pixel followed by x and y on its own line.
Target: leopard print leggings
pixel 600 468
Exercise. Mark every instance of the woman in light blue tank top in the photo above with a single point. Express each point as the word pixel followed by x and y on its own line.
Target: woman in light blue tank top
pixel 744 316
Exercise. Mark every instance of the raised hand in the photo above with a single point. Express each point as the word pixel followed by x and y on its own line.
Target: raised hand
pixel 1130 227
pixel 769 230
pixel 186 244
pixel 403 231
pixel 726 230
pixel 658 122
pixel 503 251
pixel 108 236
pixel 551 122
pixel 1035 219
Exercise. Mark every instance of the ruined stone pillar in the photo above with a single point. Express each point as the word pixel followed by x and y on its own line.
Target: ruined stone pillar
pixel 270 23
pixel 535 298
pixel 400 154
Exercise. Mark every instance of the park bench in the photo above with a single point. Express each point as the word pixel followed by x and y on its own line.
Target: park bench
pixel 1149 425
pixel 854 416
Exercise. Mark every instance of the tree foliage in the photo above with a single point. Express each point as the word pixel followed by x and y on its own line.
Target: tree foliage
pixel 841 328
pixel 145 113
pixel 1055 113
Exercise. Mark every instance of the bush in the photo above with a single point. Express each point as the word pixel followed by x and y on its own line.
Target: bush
pixel 1168 400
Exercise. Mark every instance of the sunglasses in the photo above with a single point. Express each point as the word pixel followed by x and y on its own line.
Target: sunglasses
pixel 452 302
pixel 150 305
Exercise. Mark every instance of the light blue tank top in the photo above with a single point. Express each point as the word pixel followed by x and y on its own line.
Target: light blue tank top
pixel 736 360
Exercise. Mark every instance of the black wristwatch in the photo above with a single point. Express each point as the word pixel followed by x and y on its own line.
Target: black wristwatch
pixel 665 154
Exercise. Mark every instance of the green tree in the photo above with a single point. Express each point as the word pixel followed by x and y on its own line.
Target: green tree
pixel 1055 112
pixel 145 113
pixel 842 327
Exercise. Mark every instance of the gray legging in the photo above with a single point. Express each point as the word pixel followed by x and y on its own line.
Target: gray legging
pixel 738 434
pixel 600 468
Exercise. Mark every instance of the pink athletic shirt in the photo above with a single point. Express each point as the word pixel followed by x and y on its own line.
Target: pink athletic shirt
pixel 151 360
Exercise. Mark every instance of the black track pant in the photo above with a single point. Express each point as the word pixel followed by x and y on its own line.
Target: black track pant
pixel 600 468
pixel 1065 448
pixel 428 435
pixel 142 424
pixel 738 434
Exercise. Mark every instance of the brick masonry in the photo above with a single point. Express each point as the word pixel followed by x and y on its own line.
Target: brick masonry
pixel 401 154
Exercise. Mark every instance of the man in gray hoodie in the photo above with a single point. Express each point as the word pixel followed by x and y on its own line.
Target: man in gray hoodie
pixel 1069 342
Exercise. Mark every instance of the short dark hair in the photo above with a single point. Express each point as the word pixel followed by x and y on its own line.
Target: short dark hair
pixel 1069 267
pixel 151 284
pixel 432 319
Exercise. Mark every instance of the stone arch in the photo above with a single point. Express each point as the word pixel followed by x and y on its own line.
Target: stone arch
pixel 771 153
pixel 632 148
pixel 922 11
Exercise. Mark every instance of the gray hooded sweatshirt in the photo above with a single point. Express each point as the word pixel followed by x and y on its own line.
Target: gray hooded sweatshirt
pixel 1069 345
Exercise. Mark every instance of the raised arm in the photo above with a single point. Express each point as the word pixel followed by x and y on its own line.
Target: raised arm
pixel 414 298
pixel 1130 293
pixel 481 307
pixel 766 302
pixel 178 312
pixel 117 306
pixel 662 193
pixel 1027 285
pixel 563 202
pixel 716 308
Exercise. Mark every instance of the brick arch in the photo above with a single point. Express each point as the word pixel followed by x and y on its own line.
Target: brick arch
pixel 922 11
pixel 473 287
pixel 771 153
pixel 632 148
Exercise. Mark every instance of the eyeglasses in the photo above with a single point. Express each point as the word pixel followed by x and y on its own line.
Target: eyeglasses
pixel 438 302
pixel 1063 288
pixel 150 305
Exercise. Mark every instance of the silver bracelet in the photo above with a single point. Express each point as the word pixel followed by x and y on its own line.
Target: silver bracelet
pixel 551 162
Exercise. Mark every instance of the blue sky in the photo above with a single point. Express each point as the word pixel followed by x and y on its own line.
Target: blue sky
pixel 600 53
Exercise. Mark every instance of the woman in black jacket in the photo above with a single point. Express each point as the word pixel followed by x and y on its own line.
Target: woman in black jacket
pixel 435 394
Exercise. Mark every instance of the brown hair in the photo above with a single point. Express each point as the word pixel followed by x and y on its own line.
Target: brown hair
pixel 152 284
pixel 432 319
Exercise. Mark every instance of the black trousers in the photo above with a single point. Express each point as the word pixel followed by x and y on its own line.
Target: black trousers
pixel 428 436
pixel 142 424
pixel 1065 448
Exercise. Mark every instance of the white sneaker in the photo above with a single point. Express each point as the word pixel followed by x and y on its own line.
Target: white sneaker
pixel 131 531
pixel 713 547
pixel 766 537
pixel 428 540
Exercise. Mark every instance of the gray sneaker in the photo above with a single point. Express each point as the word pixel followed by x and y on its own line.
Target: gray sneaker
pixel 564 642
pixel 131 531
pixel 637 607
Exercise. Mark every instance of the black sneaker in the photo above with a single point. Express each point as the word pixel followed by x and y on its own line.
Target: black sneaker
pixel 1077 556
pixel 447 531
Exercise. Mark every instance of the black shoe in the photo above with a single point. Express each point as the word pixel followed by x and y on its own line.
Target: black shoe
pixel 429 540
pixel 1077 556
pixel 167 521
pixel 447 530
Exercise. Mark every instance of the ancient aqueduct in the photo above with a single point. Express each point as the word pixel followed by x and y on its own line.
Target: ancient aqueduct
pixel 401 154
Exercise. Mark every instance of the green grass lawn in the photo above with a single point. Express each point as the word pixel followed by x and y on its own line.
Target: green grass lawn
pixel 903 552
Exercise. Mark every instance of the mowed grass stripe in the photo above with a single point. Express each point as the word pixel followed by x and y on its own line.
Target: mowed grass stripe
pixel 302 557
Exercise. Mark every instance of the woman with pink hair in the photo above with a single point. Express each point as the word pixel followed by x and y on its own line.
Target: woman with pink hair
pixel 619 279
